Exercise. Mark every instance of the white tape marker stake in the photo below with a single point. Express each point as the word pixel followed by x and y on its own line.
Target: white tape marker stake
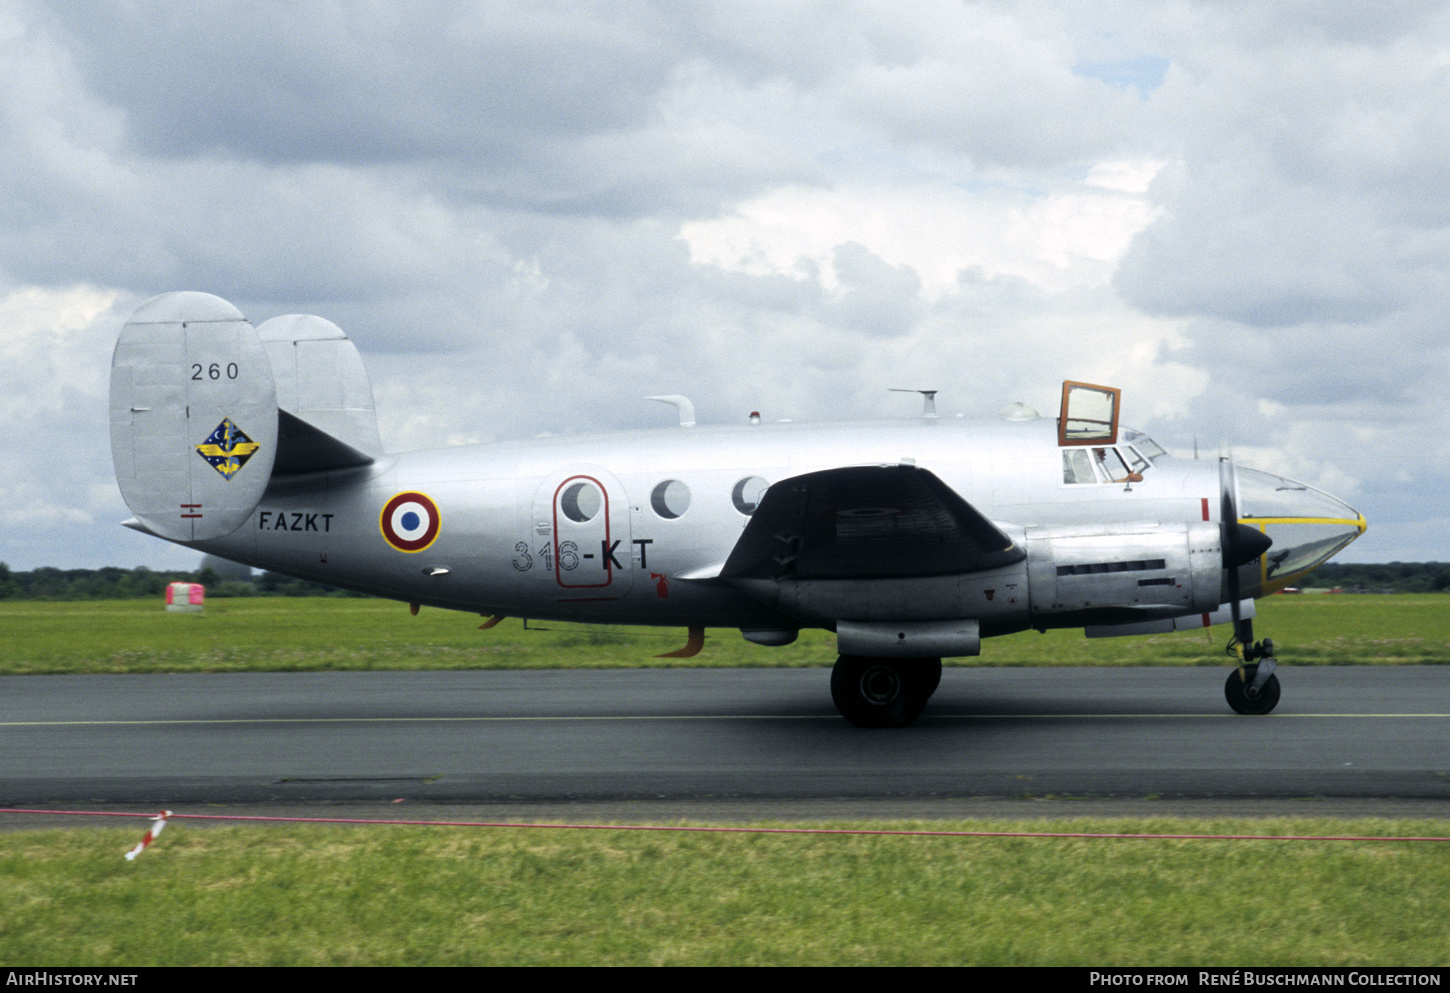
pixel 160 820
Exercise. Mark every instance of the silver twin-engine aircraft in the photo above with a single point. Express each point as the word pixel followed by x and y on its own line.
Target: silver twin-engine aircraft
pixel 912 540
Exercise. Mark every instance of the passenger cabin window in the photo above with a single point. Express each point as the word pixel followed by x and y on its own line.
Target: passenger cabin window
pixel 747 494
pixel 670 499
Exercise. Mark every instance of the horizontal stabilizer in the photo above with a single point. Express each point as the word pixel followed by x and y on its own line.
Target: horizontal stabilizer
pixel 193 416
pixel 866 522
pixel 303 448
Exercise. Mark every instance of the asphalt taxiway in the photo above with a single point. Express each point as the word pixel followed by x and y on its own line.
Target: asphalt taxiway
pixel 734 743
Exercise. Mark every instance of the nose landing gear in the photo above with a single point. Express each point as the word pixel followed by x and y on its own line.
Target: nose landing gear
pixel 1253 688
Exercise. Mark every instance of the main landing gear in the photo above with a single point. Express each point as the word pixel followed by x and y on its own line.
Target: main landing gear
pixel 883 693
pixel 1253 688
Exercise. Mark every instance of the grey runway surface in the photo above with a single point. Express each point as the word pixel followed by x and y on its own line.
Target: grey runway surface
pixel 725 743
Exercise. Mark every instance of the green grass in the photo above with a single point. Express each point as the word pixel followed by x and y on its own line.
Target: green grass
pixel 309 895
pixel 323 633
pixel 299 895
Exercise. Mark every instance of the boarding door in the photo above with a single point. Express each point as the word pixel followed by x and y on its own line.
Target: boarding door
pixel 582 534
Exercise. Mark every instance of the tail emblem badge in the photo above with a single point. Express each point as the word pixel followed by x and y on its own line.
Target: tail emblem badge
pixel 227 449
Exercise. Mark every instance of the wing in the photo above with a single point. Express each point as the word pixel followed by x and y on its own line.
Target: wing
pixel 866 522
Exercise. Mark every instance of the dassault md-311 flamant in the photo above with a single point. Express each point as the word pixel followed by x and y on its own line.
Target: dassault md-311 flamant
pixel 912 540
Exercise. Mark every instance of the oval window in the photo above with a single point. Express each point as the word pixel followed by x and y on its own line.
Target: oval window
pixel 747 494
pixel 670 499
pixel 580 502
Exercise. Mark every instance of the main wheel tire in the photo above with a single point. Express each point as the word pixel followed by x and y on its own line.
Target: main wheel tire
pixel 881 693
pixel 931 675
pixel 1236 691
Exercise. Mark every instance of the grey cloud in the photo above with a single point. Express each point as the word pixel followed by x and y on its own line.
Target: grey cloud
pixel 1265 255
pixel 365 83
pixel 874 296
pixel 1000 105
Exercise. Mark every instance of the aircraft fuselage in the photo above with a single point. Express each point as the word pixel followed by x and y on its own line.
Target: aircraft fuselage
pixel 507 544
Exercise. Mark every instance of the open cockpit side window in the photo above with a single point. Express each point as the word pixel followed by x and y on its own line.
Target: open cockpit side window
pixel 1087 431
pixel 1089 414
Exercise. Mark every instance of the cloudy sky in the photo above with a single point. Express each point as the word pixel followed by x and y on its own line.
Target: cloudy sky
pixel 530 214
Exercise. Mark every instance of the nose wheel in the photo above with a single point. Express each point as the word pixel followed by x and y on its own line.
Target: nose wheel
pixel 1242 695
pixel 883 693
pixel 1253 688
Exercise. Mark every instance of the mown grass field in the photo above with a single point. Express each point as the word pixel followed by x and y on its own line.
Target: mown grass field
pixel 308 895
pixel 302 895
pixel 324 634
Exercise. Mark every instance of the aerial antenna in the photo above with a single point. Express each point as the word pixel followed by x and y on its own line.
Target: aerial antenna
pixel 683 405
pixel 928 398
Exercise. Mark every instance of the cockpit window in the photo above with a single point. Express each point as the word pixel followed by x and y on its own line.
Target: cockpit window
pixel 1076 467
pixel 1111 464
pixel 1149 448
pixel 1136 461
pixel 1105 464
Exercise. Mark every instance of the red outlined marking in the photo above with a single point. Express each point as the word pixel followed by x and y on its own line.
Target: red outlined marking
pixel 410 521
pixel 559 571
pixel 190 506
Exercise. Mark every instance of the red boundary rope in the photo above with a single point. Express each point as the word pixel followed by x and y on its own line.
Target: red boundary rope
pixel 740 830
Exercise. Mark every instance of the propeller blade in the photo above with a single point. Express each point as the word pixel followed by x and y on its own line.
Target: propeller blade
pixel 1228 516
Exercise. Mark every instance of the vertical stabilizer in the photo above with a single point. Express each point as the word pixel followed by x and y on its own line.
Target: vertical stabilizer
pixel 193 416
pixel 321 379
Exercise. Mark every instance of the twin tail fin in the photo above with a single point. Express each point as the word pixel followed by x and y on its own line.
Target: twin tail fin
pixel 206 410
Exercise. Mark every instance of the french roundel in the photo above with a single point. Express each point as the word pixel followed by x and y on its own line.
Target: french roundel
pixel 410 522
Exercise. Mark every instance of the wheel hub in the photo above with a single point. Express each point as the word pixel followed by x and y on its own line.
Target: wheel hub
pixel 880 684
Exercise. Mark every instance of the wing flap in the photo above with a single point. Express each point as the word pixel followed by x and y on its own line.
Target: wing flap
pixel 867 522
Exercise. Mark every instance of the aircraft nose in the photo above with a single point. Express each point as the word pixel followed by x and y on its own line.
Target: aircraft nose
pixel 1307 525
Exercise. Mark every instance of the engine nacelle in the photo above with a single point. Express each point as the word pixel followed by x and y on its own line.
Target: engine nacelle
pixel 1082 576
pixel 1072 577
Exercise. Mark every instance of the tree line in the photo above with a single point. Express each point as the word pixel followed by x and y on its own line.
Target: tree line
pixel 224 579
pixel 112 583
pixel 1388 577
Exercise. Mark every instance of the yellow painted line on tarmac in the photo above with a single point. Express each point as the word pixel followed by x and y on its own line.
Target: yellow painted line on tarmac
pixel 681 717
pixel 425 720
pixel 1277 717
